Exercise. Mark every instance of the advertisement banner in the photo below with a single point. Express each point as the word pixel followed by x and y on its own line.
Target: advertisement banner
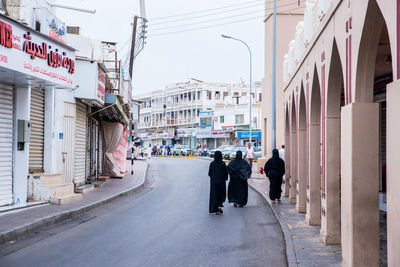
pixel 120 152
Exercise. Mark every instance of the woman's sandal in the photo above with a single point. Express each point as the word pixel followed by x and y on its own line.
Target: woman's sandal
pixel 220 210
pixel 235 205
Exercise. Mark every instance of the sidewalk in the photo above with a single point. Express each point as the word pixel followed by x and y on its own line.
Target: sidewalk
pixel 14 225
pixel 303 245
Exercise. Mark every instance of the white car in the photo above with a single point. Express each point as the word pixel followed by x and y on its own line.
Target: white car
pixel 183 150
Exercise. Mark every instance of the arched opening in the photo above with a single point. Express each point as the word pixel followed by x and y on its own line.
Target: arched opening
pixel 301 154
pixel 287 151
pixel 293 149
pixel 365 138
pixel 313 216
pixel 330 219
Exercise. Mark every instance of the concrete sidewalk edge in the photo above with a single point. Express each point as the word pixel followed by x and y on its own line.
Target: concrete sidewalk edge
pixel 289 247
pixel 56 218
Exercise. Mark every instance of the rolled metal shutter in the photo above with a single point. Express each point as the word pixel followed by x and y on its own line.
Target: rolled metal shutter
pixel 36 145
pixel 6 143
pixel 80 144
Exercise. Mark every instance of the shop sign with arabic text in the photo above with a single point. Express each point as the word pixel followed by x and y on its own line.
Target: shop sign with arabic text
pixel 30 53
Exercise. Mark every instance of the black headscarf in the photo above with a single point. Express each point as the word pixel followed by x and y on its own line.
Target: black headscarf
pixel 275 153
pixel 218 156
pixel 275 165
pixel 239 165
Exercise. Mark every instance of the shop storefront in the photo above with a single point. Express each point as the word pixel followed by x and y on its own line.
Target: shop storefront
pixel 90 98
pixel 32 65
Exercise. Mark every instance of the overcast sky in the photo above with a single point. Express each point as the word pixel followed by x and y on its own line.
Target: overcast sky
pixel 173 58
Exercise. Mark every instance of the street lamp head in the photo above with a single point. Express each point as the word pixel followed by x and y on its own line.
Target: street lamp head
pixel 225 36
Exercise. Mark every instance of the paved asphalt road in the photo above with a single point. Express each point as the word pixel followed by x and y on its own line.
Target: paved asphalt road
pixel 165 224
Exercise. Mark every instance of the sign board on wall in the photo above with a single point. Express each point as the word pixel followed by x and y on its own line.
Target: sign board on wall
pixel 25 51
pixel 168 134
pixel 246 134
pixel 184 132
pixel 220 134
pixel 51 25
pixel 203 132
pixel 206 118
pixel 101 85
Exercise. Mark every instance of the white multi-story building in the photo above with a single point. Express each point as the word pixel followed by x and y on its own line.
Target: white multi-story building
pixel 173 115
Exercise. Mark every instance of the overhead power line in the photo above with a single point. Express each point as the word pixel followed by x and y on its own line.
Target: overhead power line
pixel 218 25
pixel 221 19
pixel 204 10
pixel 206 21
pixel 207 15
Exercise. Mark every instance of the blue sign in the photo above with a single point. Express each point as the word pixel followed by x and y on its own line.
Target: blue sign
pixel 246 135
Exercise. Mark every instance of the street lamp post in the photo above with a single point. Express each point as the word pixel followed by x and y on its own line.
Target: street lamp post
pixel 250 107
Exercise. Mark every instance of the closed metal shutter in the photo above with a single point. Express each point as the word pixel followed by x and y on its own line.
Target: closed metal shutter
pixel 36 145
pixel 6 144
pixel 80 144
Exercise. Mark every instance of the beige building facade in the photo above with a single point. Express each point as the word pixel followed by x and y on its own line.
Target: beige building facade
pixel 289 13
pixel 341 94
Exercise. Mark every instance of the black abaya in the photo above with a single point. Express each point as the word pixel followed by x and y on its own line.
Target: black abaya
pixel 239 171
pixel 275 169
pixel 218 176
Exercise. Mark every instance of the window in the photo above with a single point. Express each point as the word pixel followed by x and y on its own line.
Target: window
pixel 239 119
pixel 244 93
pixel 221 119
pixel 37 26
pixel 209 95
pixel 260 97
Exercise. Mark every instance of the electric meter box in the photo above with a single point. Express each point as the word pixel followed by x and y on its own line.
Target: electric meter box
pixel 24 131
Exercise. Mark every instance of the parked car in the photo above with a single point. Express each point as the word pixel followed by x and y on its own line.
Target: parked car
pixel 226 154
pixel 257 153
pixel 232 155
pixel 183 150
pixel 223 149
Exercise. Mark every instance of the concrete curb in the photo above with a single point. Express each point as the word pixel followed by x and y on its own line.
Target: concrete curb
pixel 289 247
pixel 34 226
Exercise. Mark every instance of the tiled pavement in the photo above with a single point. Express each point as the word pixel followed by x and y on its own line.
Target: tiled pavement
pixel 303 244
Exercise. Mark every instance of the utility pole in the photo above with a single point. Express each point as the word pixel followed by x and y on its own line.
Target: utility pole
pixel 274 80
pixel 135 19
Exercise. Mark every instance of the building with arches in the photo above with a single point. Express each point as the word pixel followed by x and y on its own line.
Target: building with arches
pixel 342 98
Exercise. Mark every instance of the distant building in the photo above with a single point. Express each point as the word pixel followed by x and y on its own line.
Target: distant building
pixel 198 113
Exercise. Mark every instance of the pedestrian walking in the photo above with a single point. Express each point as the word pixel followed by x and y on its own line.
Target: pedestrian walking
pixel 282 152
pixel 239 171
pixel 218 176
pixel 249 156
pixel 274 170
pixel 148 151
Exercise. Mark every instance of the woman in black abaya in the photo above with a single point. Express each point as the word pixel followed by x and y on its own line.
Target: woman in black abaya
pixel 218 176
pixel 239 171
pixel 275 169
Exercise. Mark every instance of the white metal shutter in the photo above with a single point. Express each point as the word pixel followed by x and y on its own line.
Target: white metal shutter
pixel 80 144
pixel 69 141
pixel 6 144
pixel 36 145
